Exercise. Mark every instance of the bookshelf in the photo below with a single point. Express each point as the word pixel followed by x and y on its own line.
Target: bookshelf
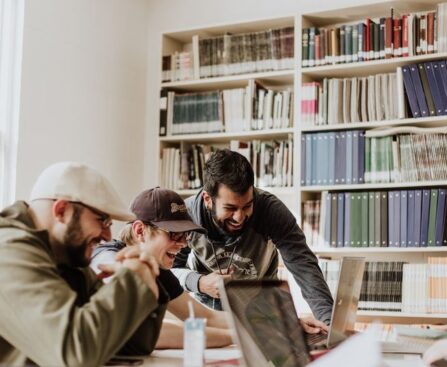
pixel 277 78
pixel 292 78
pixel 309 74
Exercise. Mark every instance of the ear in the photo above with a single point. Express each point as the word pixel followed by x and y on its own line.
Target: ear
pixel 60 210
pixel 139 228
pixel 207 199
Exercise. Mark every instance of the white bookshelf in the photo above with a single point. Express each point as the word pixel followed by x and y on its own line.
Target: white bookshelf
pixel 361 69
pixel 277 79
pixel 296 195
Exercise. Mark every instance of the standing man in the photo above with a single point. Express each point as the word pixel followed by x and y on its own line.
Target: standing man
pixel 54 311
pixel 246 226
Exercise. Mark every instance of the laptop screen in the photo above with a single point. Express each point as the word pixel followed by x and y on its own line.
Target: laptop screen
pixel 266 323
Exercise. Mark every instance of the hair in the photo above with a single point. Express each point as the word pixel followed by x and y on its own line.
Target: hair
pixel 127 234
pixel 228 168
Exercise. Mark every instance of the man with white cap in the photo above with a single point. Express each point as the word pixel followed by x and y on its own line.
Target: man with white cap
pixel 53 309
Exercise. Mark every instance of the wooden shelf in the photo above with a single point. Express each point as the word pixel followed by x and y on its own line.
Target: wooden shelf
pixel 273 190
pixel 400 317
pixel 269 78
pixel 371 250
pixel 422 122
pixel 366 67
pixel 374 186
pixel 224 137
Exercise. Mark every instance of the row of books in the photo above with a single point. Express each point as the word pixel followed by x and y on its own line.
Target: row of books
pixel 398 218
pixel 231 54
pixel 232 110
pixel 398 286
pixel 426 88
pixel 352 157
pixel 381 285
pixel 178 66
pixel 382 38
pixel 333 158
pixel 183 168
pixel 272 163
pixel 424 287
pixel 359 99
pixel 406 158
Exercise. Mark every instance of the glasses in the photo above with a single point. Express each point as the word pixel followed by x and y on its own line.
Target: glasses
pixel 178 236
pixel 103 218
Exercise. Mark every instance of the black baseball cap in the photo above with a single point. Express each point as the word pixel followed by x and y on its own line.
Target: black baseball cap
pixel 164 209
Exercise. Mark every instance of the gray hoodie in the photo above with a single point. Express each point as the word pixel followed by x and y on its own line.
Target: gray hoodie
pixel 272 227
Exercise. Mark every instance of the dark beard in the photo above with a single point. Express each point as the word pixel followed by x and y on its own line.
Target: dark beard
pixel 74 245
pixel 221 224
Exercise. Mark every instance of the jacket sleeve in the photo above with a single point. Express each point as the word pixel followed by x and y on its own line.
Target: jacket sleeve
pixel 189 279
pixel 298 258
pixel 35 299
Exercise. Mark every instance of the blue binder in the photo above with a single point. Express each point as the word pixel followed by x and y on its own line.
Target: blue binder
pixel 410 91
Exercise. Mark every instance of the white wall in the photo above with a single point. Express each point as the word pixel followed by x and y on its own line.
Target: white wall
pixel 83 92
pixel 173 15
pixel 91 76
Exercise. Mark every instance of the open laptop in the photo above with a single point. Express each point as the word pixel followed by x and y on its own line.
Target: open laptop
pixel 344 311
pixel 267 326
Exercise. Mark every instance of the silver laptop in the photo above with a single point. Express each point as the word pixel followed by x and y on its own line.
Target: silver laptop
pixel 344 312
pixel 267 327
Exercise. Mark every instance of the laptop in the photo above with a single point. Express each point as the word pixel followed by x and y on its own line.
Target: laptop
pixel 267 326
pixel 344 311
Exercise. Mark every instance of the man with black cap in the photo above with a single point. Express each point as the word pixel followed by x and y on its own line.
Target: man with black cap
pixel 162 227
pixel 54 311
pixel 246 227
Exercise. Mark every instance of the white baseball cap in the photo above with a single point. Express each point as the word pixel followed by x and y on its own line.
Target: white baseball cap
pixel 77 182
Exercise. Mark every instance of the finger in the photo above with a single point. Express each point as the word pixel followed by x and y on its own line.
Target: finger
pixel 320 325
pixel 150 261
pixel 122 254
pixel 155 268
pixel 310 329
pixel 108 268
pixel 103 275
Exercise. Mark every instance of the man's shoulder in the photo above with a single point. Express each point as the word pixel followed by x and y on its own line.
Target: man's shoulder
pixel 194 204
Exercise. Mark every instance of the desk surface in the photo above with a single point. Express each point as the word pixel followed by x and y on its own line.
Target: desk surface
pixel 174 358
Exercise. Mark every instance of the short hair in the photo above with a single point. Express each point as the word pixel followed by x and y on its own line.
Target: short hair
pixel 127 234
pixel 228 168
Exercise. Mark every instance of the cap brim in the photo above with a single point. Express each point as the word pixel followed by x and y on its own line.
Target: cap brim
pixel 123 216
pixel 180 226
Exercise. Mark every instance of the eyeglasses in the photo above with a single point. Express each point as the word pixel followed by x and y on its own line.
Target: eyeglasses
pixel 178 236
pixel 103 218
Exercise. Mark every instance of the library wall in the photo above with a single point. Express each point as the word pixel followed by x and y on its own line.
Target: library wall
pixel 83 89
pixel 174 15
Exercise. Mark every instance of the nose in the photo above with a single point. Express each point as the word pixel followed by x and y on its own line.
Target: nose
pixel 238 216
pixel 106 234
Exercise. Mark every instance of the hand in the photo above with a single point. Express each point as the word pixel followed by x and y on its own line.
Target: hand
pixel 209 284
pixel 137 260
pixel 437 351
pixel 313 326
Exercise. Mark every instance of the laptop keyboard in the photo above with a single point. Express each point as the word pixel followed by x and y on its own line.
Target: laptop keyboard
pixel 408 347
pixel 313 339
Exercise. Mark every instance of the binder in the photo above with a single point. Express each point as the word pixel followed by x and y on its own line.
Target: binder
pixel 411 93
pixel 420 96
pixel 439 105
pixel 442 91
pixel 440 218
pixel 403 218
pixel 424 217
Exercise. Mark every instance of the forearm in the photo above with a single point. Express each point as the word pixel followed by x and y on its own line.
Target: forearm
pixel 171 336
pixel 189 279
pixel 217 319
